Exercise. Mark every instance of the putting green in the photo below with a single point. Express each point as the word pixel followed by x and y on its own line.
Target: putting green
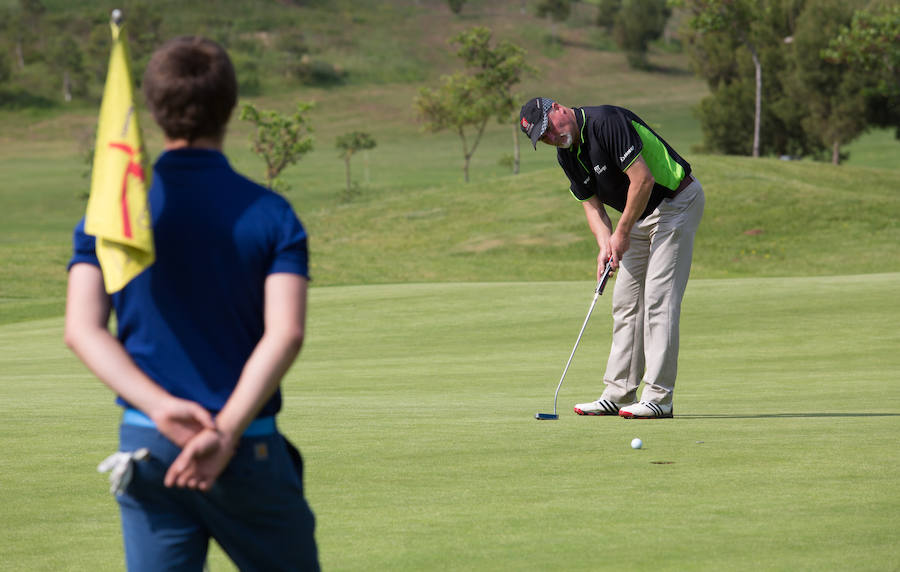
pixel 414 407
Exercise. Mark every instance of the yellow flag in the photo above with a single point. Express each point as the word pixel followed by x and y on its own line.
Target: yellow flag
pixel 117 210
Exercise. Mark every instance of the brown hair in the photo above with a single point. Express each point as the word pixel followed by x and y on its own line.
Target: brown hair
pixel 190 88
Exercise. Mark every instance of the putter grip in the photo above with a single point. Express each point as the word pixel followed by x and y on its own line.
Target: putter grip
pixel 603 279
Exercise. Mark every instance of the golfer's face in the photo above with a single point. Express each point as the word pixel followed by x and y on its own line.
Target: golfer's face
pixel 559 131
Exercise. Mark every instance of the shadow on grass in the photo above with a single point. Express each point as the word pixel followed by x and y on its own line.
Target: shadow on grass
pixel 783 415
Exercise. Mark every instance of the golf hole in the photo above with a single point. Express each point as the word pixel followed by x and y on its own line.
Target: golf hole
pixel 662 462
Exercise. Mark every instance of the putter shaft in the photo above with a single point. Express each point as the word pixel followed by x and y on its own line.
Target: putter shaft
pixel 607 272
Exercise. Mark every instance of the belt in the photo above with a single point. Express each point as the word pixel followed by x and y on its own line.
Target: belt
pixel 257 428
pixel 685 183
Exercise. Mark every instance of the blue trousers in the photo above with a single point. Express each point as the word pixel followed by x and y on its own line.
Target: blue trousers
pixel 255 510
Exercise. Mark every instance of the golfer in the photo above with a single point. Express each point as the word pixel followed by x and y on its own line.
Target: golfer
pixel 204 337
pixel 612 158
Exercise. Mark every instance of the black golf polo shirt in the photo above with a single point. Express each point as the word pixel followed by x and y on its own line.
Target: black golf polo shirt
pixel 611 139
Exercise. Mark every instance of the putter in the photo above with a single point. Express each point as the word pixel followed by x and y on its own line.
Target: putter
pixel 597 292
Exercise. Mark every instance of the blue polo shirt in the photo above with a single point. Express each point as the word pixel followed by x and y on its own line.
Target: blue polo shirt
pixel 191 320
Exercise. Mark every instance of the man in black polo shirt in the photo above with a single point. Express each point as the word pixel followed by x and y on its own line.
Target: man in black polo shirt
pixel 613 158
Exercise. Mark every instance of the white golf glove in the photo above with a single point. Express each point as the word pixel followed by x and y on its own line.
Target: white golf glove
pixel 121 464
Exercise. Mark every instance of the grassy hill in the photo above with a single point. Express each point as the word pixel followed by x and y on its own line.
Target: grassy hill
pixel 414 219
pixel 763 218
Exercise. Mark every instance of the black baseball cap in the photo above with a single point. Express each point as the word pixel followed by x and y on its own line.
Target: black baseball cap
pixel 533 118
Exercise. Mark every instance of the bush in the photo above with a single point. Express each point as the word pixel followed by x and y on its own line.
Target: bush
pixel 5 68
pixel 318 72
pixel 247 71
pixel 456 6
pixel 292 43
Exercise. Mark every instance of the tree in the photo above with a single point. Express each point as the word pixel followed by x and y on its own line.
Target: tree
pixel 556 10
pixel 497 70
pixel 606 13
pixel 871 43
pixel 144 19
pixel 455 105
pixel 456 6
pixel 469 100
pixel 66 60
pixel 5 68
pixel 349 144
pixel 280 140
pixel 636 24
pixel 23 26
pixel 737 19
pixel 750 94
pixel 832 93
pixel 97 52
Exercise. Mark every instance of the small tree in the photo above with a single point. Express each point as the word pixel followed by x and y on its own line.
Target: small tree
pixel 606 13
pixel 556 10
pixel 349 144
pixel 66 60
pixel 280 140
pixel 456 6
pixel 468 101
pixel 5 68
pixel 636 24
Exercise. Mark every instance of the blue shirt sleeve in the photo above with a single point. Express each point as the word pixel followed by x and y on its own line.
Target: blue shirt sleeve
pixel 84 247
pixel 291 251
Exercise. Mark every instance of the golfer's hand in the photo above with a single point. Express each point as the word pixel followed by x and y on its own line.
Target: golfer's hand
pixel 602 258
pixel 181 420
pixel 201 461
pixel 618 245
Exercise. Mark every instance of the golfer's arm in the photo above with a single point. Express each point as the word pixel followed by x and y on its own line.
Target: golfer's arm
pixel 598 220
pixel 86 333
pixel 640 187
pixel 285 317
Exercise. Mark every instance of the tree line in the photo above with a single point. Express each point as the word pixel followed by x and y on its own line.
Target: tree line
pixel 799 78
pixel 51 58
pixel 789 78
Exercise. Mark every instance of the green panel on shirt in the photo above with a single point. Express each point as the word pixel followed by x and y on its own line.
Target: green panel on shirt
pixel 665 169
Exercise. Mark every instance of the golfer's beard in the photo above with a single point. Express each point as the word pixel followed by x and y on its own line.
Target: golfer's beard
pixel 566 141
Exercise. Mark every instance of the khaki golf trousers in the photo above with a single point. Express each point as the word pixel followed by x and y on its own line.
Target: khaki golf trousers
pixel 646 305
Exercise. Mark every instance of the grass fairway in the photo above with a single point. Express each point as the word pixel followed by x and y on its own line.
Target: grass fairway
pixel 442 314
pixel 414 405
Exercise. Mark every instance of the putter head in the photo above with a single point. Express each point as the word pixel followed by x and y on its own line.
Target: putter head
pixel 545 416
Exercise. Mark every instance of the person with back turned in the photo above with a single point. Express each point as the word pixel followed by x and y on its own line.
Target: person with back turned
pixel 204 337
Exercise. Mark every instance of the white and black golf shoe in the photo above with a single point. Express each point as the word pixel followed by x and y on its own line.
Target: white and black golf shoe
pixel 598 407
pixel 646 410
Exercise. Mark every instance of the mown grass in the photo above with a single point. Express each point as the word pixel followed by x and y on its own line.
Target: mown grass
pixel 414 404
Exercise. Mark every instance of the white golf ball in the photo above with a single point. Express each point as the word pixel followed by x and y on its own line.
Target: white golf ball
pixel 636 443
pixel 117 16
